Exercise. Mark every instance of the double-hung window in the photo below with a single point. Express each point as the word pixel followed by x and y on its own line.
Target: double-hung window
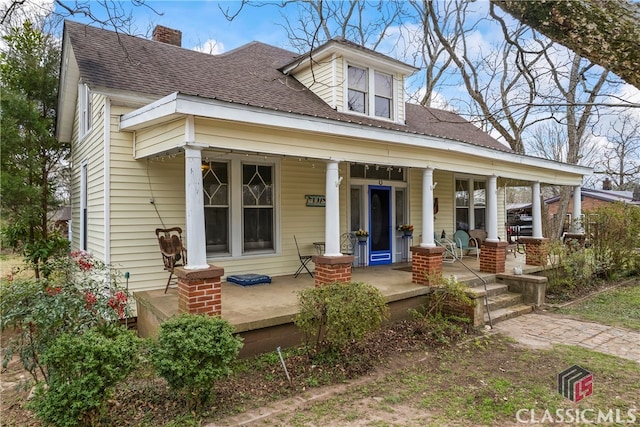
pixel 239 207
pixel 470 204
pixel 369 87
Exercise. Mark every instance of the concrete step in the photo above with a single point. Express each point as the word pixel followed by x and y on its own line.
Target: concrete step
pixel 505 300
pixel 507 313
pixel 493 289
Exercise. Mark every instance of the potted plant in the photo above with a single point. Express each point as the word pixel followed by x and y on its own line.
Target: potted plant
pixel 362 235
pixel 407 229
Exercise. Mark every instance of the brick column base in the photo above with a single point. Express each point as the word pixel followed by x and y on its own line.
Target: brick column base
pixel 425 262
pixel 536 249
pixel 331 269
pixel 492 257
pixel 199 291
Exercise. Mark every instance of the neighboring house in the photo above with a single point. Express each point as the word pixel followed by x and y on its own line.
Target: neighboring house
pixel 590 199
pixel 247 149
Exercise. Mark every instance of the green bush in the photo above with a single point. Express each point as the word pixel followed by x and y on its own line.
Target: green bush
pixel 191 352
pixel 83 370
pixel 443 319
pixel 339 314
pixel 614 235
pixel 79 293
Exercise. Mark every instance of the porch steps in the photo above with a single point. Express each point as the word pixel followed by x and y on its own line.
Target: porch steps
pixel 502 303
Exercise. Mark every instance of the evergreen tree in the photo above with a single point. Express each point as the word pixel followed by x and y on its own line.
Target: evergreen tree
pixel 31 155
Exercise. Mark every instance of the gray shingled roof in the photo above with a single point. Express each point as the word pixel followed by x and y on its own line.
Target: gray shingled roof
pixel 248 75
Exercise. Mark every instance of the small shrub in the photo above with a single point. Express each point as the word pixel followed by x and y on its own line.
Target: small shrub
pixel 192 351
pixel 83 370
pixel 79 293
pixel 441 320
pixel 339 314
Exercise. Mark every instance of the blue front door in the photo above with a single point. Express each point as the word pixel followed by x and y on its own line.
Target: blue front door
pixel 380 229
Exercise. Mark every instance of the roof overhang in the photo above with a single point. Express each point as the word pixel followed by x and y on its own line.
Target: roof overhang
pixel 67 91
pixel 333 47
pixel 177 105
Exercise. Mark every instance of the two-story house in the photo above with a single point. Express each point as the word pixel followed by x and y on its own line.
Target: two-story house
pixel 247 149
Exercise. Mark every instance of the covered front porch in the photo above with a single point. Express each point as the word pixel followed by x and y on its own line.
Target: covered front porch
pixel 263 313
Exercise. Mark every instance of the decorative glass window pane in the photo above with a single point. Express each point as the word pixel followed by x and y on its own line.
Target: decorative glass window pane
pixel 215 179
pixel 257 198
pixel 257 188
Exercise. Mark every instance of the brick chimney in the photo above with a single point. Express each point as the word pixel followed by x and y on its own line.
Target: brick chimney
pixel 606 184
pixel 167 35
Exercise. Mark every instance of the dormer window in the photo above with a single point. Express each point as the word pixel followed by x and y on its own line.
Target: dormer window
pixel 369 87
pixel 358 88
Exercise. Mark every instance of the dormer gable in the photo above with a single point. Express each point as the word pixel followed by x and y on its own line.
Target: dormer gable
pixel 353 79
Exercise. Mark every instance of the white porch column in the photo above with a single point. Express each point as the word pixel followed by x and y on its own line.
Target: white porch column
pixel 492 209
pixel 194 205
pixel 536 211
pixel 576 226
pixel 427 209
pixel 332 210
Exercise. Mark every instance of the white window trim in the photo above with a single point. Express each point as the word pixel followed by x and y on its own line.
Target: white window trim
pixel 371 95
pixel 85 106
pixel 236 236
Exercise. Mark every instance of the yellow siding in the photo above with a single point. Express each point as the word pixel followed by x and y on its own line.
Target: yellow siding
pixel 319 79
pixel 445 218
pixel 90 148
pixel 159 138
pixel 134 247
pixel 297 178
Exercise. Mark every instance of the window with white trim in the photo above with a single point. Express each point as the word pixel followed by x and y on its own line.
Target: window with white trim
pixel 84 97
pixel 365 87
pixel 470 205
pixel 240 216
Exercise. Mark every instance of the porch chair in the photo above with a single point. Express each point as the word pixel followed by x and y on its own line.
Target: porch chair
pixel 174 254
pixel 449 255
pixel 463 240
pixel 304 260
pixel 480 236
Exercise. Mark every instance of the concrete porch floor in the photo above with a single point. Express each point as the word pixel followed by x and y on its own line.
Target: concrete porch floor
pixel 264 306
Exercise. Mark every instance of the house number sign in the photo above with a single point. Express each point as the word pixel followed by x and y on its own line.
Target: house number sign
pixel 315 201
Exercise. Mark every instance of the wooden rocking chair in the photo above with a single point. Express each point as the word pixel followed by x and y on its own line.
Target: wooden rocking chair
pixel 174 254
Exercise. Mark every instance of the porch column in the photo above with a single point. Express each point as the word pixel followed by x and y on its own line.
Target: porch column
pixel 194 205
pixel 576 225
pixel 332 210
pixel 492 209
pixel 536 244
pixel 536 211
pixel 427 209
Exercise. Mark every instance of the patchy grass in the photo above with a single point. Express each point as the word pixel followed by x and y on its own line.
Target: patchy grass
pixel 616 307
pixel 473 384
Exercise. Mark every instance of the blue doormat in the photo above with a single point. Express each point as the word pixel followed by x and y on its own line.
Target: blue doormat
pixel 248 279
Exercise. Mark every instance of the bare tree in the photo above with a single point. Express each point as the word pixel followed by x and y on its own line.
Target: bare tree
pixel 606 32
pixel 621 156
pixel 109 14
